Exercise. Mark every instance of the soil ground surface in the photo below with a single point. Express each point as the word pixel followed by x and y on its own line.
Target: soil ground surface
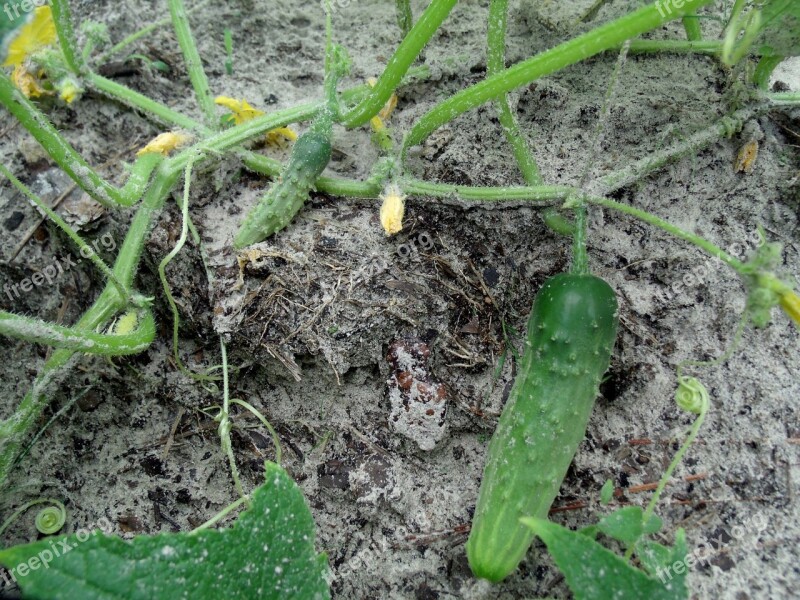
pixel 310 317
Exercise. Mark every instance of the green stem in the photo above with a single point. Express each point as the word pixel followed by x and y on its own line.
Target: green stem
pixel 783 98
pixel 142 103
pixel 401 60
pixel 691 24
pixel 496 62
pixel 580 256
pixel 220 515
pixel 117 48
pixel 194 64
pixel 710 47
pixel 725 127
pixel 57 336
pixel 230 138
pixel 14 430
pixel 662 484
pixel 575 50
pixel 713 250
pixel 68 159
pixel 348 188
pixel 740 33
pixel 225 425
pixel 228 51
pixel 66 36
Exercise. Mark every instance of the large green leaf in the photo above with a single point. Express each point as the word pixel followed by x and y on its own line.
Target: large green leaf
pixel 627 525
pixel 268 553
pixel 594 572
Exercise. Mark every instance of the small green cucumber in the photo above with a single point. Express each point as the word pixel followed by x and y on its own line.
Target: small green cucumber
pixel 310 155
pixel 571 333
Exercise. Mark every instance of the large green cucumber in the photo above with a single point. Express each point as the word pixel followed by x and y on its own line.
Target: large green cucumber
pixel 571 333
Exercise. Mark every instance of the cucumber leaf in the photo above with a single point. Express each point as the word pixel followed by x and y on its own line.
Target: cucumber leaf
pixel 653 556
pixel 607 492
pixel 627 524
pixel 267 553
pixel 594 572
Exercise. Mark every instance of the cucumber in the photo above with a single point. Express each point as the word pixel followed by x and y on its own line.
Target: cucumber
pixel 310 155
pixel 571 333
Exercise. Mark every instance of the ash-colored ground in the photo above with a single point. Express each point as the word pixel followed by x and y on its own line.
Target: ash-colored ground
pixel 310 322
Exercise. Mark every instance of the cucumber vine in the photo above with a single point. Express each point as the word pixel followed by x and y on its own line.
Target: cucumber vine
pixel 45 59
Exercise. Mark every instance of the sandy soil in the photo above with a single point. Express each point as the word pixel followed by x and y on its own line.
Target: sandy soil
pixel 310 323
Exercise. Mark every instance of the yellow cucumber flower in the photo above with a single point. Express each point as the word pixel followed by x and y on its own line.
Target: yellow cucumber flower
pixel 165 143
pixel 393 209
pixel 790 303
pixel 38 33
pixel 69 90
pixel 241 112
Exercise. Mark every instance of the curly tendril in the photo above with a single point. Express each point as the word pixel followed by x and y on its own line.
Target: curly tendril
pixel 49 520
pixel 691 395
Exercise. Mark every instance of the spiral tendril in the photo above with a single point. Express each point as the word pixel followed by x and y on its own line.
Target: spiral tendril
pixel 50 520
pixel 691 395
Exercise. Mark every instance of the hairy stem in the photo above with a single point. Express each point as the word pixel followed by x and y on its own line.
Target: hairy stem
pixel 14 430
pixel 68 158
pixel 575 50
pixel 674 230
pixel 57 336
pixel 66 36
pixel 496 62
pixel 194 65
pixel 401 60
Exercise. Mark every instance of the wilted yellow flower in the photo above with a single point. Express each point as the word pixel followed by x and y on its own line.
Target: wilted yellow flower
pixel 393 209
pixel 241 112
pixel 378 121
pixel 790 303
pixel 38 33
pixel 166 143
pixel 377 124
pixel 27 83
